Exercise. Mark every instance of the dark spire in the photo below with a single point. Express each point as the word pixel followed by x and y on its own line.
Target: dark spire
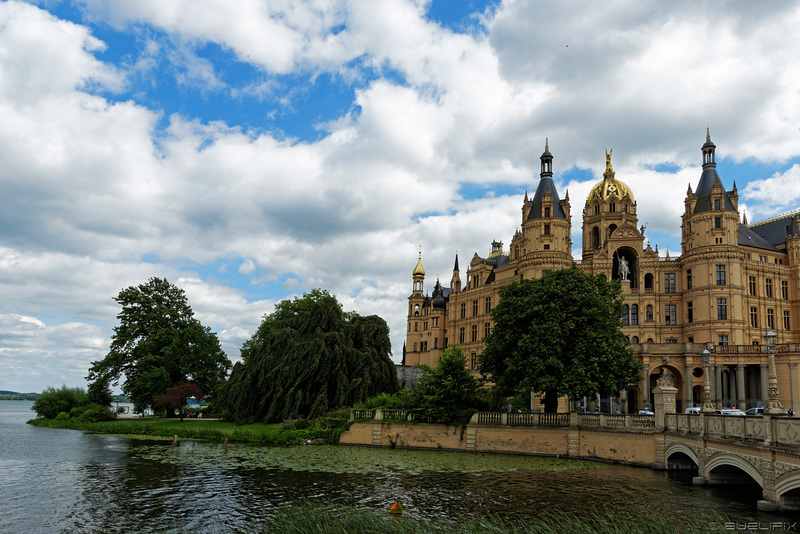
pixel 455 267
pixel 708 149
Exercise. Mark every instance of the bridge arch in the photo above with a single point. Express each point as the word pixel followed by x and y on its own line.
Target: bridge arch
pixel 723 459
pixel 681 448
pixel 787 482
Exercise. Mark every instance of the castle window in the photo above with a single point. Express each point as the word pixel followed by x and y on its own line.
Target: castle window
pixel 436 343
pixel 648 313
pixel 786 323
pixel 415 348
pixel 722 340
pixel 689 279
pixel 463 310
pixel 670 315
pixel 597 209
pixel 634 314
pixel 751 285
pixel 784 290
pixel 474 332
pixel 717 222
pixel 488 305
pixel 722 309
pixel 720 275
pixel 669 283
pixel 473 361
pixel 635 340
pixel 516 253
pixel 689 313
pixel 595 239
pixel 753 316
pixel 461 335
pixel 435 321
pixel 546 229
pixel 671 340
pixel 612 207
pixel 648 282
pixel 547 212
pixel 487 328
pixel 416 327
pixel 768 287
pixel 770 318
pixel 716 204
pixel 547 247
pixel 424 325
pixel 416 310
pixel 626 315
pixel 474 308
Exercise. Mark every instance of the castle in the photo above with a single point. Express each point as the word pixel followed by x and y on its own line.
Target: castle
pixel 732 283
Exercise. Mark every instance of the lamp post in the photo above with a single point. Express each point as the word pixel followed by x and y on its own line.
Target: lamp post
pixel 773 404
pixel 708 406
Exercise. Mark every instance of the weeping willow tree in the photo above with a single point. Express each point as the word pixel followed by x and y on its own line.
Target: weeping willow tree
pixel 309 357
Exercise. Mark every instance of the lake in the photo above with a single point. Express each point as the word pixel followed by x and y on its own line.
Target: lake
pixel 65 480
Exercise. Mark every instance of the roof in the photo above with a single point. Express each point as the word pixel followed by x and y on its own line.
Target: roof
pixel 546 184
pixel 749 238
pixel 775 230
pixel 704 188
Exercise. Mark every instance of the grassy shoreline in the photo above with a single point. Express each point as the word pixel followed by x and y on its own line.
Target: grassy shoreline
pixel 203 429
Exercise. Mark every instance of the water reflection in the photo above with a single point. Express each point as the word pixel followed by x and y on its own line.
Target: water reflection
pixel 60 480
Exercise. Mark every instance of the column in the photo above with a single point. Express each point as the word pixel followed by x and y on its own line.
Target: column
pixel 726 387
pixel 794 392
pixel 597 399
pixel 740 397
pixel 711 380
pixel 764 371
pixel 645 385
pixel 687 385
pixel 719 396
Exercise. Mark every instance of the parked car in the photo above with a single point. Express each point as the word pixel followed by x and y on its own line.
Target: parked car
pixel 645 412
pixel 694 410
pixel 729 411
pixel 760 411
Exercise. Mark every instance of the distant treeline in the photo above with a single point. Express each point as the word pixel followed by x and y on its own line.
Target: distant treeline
pixel 18 396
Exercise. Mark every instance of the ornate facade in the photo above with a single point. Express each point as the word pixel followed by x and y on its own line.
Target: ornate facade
pixel 732 283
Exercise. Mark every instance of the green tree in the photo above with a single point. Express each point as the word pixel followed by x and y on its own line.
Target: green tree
pixel 52 401
pixel 158 344
pixel 447 393
pixel 100 393
pixel 559 335
pixel 309 357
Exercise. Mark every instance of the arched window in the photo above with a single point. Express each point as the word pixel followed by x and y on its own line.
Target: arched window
pixel 612 207
pixel 635 315
pixel 516 252
pixel 648 282
pixel 597 209
pixel 648 313
pixel 649 339
pixel 611 229
pixel 625 315
pixel 635 340
pixel 416 309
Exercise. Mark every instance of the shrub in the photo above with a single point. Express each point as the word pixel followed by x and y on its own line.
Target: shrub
pixel 77 412
pixel 62 416
pixel 53 401
pixel 94 413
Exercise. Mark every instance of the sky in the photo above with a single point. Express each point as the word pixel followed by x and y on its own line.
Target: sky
pixel 249 152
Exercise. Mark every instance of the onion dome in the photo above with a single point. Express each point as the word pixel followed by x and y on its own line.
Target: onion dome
pixel 418 270
pixel 439 302
pixel 610 187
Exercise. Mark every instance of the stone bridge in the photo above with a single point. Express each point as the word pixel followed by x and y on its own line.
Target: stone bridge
pixel 728 449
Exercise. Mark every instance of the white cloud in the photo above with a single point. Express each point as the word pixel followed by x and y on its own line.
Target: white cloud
pixel 780 192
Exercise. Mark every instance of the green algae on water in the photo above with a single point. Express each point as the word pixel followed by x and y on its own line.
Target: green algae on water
pixel 353 460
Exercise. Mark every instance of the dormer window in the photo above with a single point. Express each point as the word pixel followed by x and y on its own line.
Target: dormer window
pixel 547 212
pixel 716 204
pixel 612 207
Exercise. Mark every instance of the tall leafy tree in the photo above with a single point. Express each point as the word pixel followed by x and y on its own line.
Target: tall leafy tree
pixel 309 357
pixel 559 335
pixel 158 344
pixel 448 392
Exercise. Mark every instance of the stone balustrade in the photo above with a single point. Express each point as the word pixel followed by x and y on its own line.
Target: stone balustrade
pixel 764 430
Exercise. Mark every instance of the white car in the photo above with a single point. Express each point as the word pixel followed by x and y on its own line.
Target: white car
pixel 694 410
pixel 645 412
pixel 729 411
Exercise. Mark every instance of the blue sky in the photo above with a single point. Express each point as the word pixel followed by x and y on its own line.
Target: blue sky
pixel 250 154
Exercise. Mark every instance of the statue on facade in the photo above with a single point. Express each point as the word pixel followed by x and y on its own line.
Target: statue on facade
pixel 624 269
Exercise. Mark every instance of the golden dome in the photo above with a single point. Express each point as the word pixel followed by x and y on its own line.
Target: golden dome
pixel 418 270
pixel 610 186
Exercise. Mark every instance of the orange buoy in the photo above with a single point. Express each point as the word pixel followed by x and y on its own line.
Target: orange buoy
pixel 396 509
